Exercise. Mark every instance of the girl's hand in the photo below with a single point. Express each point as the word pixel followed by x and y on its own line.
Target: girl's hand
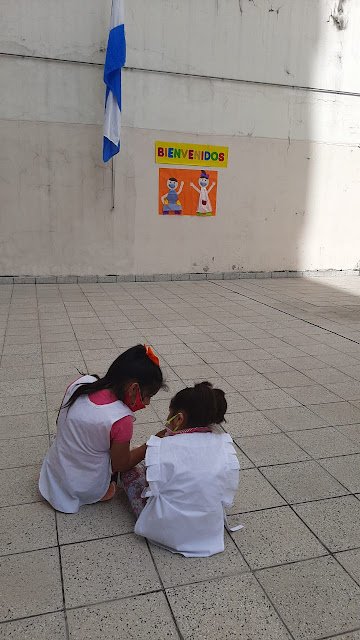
pixel 161 433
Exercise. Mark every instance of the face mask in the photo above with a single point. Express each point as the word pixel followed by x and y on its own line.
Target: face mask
pixel 168 430
pixel 138 404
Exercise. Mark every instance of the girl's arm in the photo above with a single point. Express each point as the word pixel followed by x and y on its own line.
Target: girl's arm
pixel 163 198
pixel 181 188
pixel 212 186
pixel 123 458
pixel 193 186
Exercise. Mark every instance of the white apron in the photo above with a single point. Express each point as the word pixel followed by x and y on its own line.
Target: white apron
pixel 191 478
pixel 77 468
pixel 204 204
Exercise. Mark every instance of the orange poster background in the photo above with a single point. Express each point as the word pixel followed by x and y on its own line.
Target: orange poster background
pixel 188 197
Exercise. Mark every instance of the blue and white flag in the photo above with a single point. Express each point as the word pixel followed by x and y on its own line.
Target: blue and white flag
pixel 115 59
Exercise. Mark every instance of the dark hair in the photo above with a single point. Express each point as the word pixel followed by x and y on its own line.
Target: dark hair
pixel 132 365
pixel 202 404
pixel 173 180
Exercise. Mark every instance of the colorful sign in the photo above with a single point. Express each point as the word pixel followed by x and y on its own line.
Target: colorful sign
pixel 187 192
pixel 191 154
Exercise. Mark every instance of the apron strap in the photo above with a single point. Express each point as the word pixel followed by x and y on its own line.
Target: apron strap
pixel 227 526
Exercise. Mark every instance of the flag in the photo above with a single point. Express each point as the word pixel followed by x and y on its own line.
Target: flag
pixel 115 59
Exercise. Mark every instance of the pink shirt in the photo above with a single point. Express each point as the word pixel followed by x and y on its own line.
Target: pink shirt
pixel 121 430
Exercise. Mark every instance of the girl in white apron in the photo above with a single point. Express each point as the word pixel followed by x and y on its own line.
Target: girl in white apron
pixel 94 429
pixel 179 494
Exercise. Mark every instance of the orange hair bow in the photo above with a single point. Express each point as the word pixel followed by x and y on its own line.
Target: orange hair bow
pixel 150 354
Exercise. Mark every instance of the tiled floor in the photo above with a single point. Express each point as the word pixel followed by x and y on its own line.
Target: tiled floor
pixel 287 353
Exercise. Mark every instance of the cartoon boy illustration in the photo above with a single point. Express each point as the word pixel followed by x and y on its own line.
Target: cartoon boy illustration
pixel 204 204
pixel 170 200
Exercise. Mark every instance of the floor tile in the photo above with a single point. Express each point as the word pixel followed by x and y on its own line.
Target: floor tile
pixel 20 426
pixel 329 375
pixel 27 527
pixel 275 536
pixel 250 382
pixel 60 347
pixel 350 560
pixel 59 384
pixel 107 569
pixel 336 522
pixel 337 413
pixel 176 570
pixel 22 360
pixel 346 390
pixel 289 379
pixel 13 405
pixel 345 469
pixel 22 452
pixel 248 423
pixel 270 399
pixel 22 387
pixel 351 431
pixel 312 395
pixel 295 418
pixel 254 493
pixel 272 365
pixel 347 636
pixel 216 357
pixel 315 598
pixel 31 584
pixel 93 521
pixel 21 349
pixel 252 355
pixel 62 357
pixel 19 487
pixel 182 359
pixel 193 371
pixel 324 442
pixel 303 363
pixel 244 462
pixel 233 369
pixel 233 605
pixel 65 368
pixel 21 373
pixel 146 616
pixel 236 403
pixel 44 627
pixel 303 481
pixel 269 449
pixel 21 339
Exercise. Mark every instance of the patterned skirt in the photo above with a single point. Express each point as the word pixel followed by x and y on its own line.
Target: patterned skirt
pixel 134 482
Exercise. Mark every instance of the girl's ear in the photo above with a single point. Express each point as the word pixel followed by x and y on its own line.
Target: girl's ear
pixel 132 391
pixel 178 422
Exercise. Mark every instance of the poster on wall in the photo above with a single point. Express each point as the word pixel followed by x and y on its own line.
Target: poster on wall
pixel 191 154
pixel 187 192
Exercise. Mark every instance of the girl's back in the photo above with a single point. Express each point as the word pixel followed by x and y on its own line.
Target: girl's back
pixel 77 466
pixel 191 477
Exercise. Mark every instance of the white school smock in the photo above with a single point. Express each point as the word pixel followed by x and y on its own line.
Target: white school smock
pixel 191 478
pixel 77 467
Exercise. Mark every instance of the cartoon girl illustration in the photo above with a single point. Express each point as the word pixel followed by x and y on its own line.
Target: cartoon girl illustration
pixel 170 200
pixel 204 204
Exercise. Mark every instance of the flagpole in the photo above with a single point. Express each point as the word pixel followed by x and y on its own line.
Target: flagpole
pixel 112 184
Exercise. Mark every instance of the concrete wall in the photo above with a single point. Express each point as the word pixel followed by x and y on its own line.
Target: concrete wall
pixel 276 82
